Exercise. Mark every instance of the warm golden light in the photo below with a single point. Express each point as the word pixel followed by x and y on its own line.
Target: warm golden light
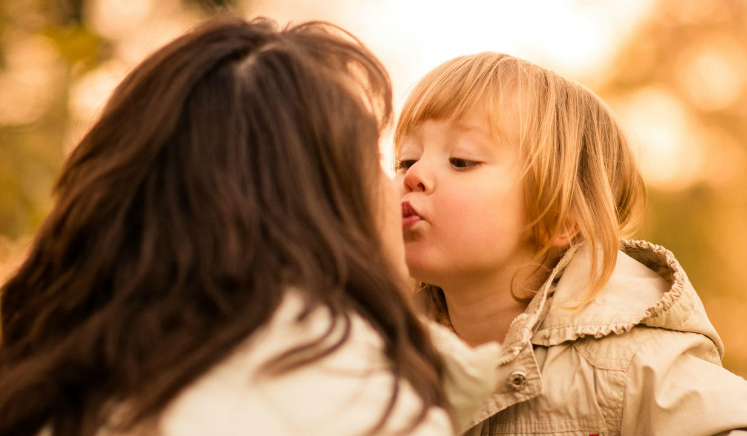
pixel 30 73
pixel 672 154
pixel 712 73
pixel 674 70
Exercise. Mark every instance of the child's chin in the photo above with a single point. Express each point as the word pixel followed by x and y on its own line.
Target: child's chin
pixel 420 272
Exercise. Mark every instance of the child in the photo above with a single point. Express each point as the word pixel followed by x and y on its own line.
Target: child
pixel 518 186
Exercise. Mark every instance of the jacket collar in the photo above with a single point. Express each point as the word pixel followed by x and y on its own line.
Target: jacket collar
pixel 517 355
pixel 647 287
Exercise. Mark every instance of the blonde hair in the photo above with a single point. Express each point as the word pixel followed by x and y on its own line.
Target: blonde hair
pixel 579 173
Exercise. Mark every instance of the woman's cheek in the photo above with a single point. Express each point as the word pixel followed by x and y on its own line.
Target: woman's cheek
pixel 391 226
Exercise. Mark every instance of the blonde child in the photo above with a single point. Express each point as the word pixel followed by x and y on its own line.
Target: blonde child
pixel 517 189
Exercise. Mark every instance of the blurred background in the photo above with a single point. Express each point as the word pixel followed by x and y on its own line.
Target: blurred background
pixel 674 70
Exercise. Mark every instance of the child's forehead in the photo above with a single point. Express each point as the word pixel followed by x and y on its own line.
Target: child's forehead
pixel 490 109
pixel 477 121
pixel 471 124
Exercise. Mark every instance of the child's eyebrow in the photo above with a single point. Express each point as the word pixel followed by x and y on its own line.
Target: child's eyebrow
pixel 473 127
pixel 411 143
pixel 492 137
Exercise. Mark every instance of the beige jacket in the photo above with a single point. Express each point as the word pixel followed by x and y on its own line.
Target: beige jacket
pixel 343 394
pixel 641 359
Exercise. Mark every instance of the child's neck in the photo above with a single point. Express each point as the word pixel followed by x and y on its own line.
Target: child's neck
pixel 481 309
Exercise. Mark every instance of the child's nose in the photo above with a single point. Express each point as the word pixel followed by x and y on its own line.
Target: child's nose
pixel 417 178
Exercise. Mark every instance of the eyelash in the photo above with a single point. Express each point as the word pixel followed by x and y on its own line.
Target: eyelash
pixel 465 163
pixel 457 163
pixel 405 164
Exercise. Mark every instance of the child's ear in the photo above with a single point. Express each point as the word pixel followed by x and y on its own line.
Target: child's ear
pixel 566 236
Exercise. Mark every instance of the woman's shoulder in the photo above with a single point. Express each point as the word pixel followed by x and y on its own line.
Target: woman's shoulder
pixel 344 392
pixel 470 377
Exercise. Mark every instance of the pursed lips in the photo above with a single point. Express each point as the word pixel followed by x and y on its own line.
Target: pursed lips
pixel 410 216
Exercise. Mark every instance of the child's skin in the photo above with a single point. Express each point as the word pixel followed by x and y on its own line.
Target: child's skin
pixel 464 220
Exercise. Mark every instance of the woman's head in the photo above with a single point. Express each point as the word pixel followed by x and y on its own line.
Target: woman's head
pixel 578 174
pixel 235 162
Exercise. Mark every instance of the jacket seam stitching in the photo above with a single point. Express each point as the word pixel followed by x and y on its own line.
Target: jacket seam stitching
pixel 625 383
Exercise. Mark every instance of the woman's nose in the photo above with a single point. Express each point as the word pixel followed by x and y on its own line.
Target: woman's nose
pixel 418 178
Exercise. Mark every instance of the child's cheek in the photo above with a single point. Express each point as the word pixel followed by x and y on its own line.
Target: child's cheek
pixel 483 217
pixel 464 217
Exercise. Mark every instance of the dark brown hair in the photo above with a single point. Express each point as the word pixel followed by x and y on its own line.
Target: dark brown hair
pixel 234 163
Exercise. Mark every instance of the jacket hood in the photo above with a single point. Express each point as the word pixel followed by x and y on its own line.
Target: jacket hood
pixel 648 287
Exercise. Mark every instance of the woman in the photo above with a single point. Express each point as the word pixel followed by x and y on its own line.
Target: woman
pixel 221 254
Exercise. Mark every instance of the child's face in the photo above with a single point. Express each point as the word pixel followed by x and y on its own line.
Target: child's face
pixel 463 200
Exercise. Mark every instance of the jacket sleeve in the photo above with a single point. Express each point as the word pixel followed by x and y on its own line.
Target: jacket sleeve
pixel 676 385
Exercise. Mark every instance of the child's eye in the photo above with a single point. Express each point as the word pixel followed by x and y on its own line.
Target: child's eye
pixel 405 164
pixel 459 163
